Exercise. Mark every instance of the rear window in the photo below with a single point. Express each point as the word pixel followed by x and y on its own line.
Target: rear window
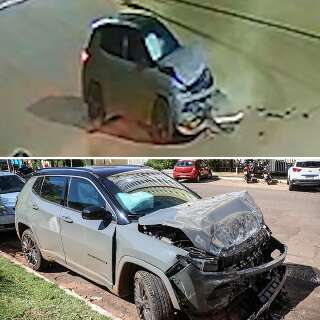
pixel 53 189
pixel 308 164
pixel 10 184
pixel 185 164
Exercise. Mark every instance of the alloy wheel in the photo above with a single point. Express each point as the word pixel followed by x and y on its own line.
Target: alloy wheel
pixel 30 250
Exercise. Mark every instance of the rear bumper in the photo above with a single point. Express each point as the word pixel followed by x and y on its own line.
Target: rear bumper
pixel 305 182
pixel 184 175
pixel 206 293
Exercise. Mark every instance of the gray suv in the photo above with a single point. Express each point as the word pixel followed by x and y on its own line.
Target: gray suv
pixel 137 231
pixel 135 67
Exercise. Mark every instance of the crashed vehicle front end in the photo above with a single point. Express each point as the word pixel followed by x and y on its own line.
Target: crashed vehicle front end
pixel 230 255
pixel 193 84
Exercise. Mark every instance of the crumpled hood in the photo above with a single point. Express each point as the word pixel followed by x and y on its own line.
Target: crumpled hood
pixel 187 62
pixel 8 199
pixel 212 224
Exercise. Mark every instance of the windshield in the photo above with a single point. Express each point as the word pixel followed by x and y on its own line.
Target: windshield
pixel 159 41
pixel 308 164
pixel 10 184
pixel 141 192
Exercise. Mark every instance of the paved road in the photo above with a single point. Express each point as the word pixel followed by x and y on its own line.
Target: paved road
pixel 294 218
pixel 255 64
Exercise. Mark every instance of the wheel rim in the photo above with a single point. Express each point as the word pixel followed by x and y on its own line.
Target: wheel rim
pixel 142 303
pixel 29 249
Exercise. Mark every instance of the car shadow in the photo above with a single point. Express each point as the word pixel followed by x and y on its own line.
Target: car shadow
pixel 71 111
pixel 302 280
pixel 203 180
pixel 307 189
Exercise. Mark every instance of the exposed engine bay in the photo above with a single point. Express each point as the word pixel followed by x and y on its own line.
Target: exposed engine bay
pixel 230 254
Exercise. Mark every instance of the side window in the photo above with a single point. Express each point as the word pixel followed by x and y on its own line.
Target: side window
pixel 112 39
pixel 83 194
pixel 53 189
pixel 37 185
pixel 136 50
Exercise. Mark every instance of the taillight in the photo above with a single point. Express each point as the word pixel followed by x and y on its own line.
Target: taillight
pixel 84 56
pixel 295 169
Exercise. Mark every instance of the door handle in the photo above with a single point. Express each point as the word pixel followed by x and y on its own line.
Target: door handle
pixel 67 219
pixel 35 207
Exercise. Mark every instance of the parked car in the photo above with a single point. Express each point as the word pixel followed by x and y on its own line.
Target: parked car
pixel 10 186
pixel 135 67
pixel 304 173
pixel 138 231
pixel 192 170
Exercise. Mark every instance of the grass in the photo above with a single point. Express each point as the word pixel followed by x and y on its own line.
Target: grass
pixel 24 296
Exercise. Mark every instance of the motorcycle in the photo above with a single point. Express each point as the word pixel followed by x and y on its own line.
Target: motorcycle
pixel 267 177
pixel 249 177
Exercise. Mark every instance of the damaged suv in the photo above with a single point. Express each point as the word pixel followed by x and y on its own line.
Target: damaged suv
pixel 135 67
pixel 136 231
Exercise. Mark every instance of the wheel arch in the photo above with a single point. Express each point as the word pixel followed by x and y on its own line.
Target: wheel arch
pixel 21 228
pixel 126 270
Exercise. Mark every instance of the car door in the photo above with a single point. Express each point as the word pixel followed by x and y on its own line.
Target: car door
pixel 87 243
pixel 112 68
pixel 47 202
pixel 142 77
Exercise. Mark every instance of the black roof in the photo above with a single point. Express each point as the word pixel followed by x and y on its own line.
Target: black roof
pixel 103 171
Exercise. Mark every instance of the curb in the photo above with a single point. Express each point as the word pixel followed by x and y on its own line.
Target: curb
pixel 93 306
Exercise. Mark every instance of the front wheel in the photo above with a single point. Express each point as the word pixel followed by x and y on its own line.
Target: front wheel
pixel 163 125
pixel 32 252
pixel 151 297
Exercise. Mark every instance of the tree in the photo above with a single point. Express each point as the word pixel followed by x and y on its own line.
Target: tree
pixel 161 164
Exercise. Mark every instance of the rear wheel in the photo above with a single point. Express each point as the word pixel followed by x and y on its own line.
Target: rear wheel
pixel 162 126
pixel 291 186
pixel 96 112
pixel 32 252
pixel 197 179
pixel 151 297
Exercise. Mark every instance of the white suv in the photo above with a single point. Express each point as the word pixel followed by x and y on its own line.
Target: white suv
pixel 304 173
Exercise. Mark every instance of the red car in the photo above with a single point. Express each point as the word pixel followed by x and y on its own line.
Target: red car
pixel 191 170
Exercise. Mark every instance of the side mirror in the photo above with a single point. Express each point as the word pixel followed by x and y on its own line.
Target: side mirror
pixel 97 213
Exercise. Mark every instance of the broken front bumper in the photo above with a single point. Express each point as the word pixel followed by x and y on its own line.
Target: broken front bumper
pixel 193 110
pixel 205 293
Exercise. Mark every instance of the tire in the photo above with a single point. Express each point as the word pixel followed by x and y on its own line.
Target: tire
pixel 96 111
pixel 32 252
pixel 162 123
pixel 291 187
pixel 151 297
pixel 197 179
pixel 210 175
